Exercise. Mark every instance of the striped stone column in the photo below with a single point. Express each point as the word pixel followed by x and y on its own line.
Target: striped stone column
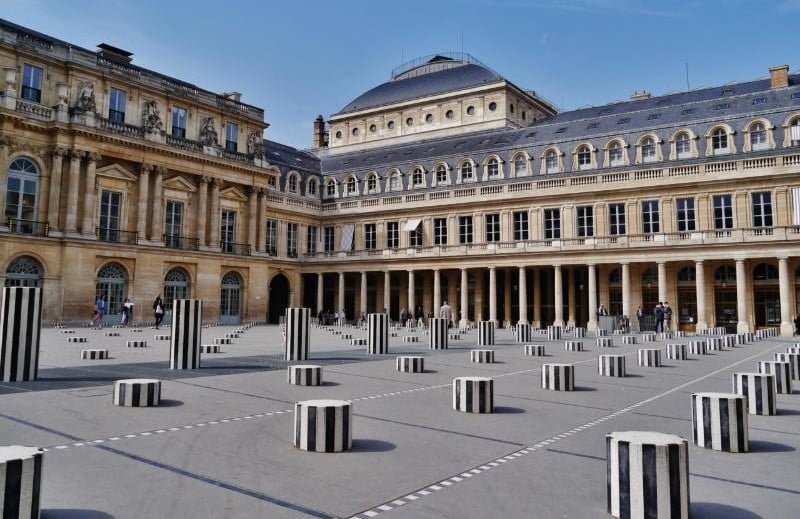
pixel 719 422
pixel 437 340
pixel 137 392
pixel 297 333
pixel 728 341
pixel 209 348
pixel 676 351
pixel 554 333
pixel 21 478
pixel 20 330
pixel 136 344
pixel 600 332
pixel 486 333
pixel 782 372
pixel 482 356
pixel 573 345
pixel 649 357
pixel 714 344
pixel 186 334
pixel 648 337
pixel 533 350
pixel 604 342
pixel 523 332
pixel 628 339
pixel 611 365
pixel 794 362
pixel 304 375
pixel 579 332
pixel 558 377
pixel 759 388
pixel 323 425
pixel 378 334
pixel 647 475
pixel 697 347
pixel 410 364
pixel 473 394
pixel 94 354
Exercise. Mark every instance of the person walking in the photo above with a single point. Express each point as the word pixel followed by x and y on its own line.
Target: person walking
pixel 158 310
pixel 99 311
pixel 446 312
pixel 127 311
pixel 640 318
pixel 667 317
pixel 659 313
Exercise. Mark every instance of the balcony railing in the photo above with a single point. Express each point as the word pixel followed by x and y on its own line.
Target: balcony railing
pixel 181 242
pixel 127 130
pixel 29 227
pixel 116 236
pixel 184 144
pixel 239 249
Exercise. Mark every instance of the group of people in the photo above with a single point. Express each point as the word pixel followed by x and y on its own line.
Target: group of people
pixel 663 316
pixel 329 317
pixel 101 308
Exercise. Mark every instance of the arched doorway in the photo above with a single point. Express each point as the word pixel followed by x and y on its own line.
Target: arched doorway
pixel 687 299
pixel 766 296
pixel 230 300
pixel 278 298
pixel 615 292
pixel 112 282
pixel 176 286
pixel 21 197
pixel 24 271
pixel 725 298
pixel 649 298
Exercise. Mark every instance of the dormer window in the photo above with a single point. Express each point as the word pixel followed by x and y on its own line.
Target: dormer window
pixel 312 187
pixel 649 150
pixel 551 162
pixel 615 157
pixel 466 171
pixel 355 132
pixel 293 184
pixel 719 142
pixel 441 174
pixel 394 182
pixel 794 131
pixel 758 137
pixel 470 110
pixel 330 188
pixel 352 188
pixel 372 183
pixel 683 146
pixel 584 157
pixel 492 168
pixel 429 118
pixel 520 166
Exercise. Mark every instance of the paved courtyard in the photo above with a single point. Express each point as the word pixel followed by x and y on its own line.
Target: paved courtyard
pixel 220 445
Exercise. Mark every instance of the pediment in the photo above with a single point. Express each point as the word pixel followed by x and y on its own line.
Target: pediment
pixel 232 193
pixel 179 183
pixel 116 171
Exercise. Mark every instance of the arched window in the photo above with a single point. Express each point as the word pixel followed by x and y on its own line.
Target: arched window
pixel 683 146
pixel 293 183
pixel 466 171
pixel 21 199
pixel 649 150
pixel 758 137
pixel 330 188
pixel 521 165
pixel 352 186
pixel 312 186
pixel 615 277
pixel 551 162
pixel 615 157
pixel 176 286
pixel 395 184
pixel 417 178
pixel 719 142
pixel 230 298
pixel 24 271
pixel 765 273
pixel 372 182
pixel 687 276
pixel 441 174
pixel 650 278
pixel 112 282
pixel 492 168
pixel 725 275
pixel 794 132
pixel 584 157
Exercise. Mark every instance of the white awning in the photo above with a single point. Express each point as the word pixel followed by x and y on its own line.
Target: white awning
pixel 412 225
pixel 347 237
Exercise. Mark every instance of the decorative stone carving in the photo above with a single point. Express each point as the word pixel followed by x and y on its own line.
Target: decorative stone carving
pixel 151 117
pixel 62 89
pixel 93 157
pixel 86 101
pixel 208 134
pixel 255 143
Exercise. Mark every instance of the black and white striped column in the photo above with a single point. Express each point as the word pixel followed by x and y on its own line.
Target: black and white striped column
pixel 600 332
pixel 579 332
pixel 378 334
pixel 728 341
pixel 20 330
pixel 782 372
pixel 558 377
pixel 794 362
pixel 137 392
pixel 77 339
pixel 676 351
pixel 533 350
pixel 323 425
pixel 482 356
pixel 697 347
pixel 94 354
pixel 604 342
pixel 714 344
pixel 647 475
pixel 719 422
pixel 224 341
pixel 759 388
pixel 21 481
pixel 650 357
pixel 297 333
pixel 209 348
pixel 611 365
pixel 186 334
pixel 649 337
pixel 628 339
pixel 410 364
pixel 486 333
pixel 136 344
pixel 554 333
pixel 437 340
pixel 573 345
pixel 304 375
pixel 523 332
pixel 410 338
pixel 473 394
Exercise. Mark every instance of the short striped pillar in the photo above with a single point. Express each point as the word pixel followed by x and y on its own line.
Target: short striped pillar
pixel 437 340
pixel 719 422
pixel 649 357
pixel 137 392
pixel 358 342
pixel 473 394
pixel 410 364
pixel 759 388
pixel 297 333
pixel 225 341
pixel 794 362
pixel 533 350
pixel 676 351
pixel 161 337
pixel 186 334
pixel 482 356
pixel 486 333
pixel 714 343
pixel 523 332
pixel 112 334
pixel 628 339
pixel 604 342
pixel 558 377
pixel 554 333
pixel 377 334
pixel 573 345
pixel 648 337
pixel 697 347
pixel 611 365
pixel 410 338
pixel 20 330
pixel 209 348
pixel 21 477
pixel 579 332
pixel 94 354
pixel 729 341
pixel 304 375
pixel 647 475
pixel 665 336
pixel 600 332
pixel 741 339
pixel 782 372
pixel 136 344
pixel 323 425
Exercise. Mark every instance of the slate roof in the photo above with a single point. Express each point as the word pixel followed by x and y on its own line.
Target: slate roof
pixel 288 158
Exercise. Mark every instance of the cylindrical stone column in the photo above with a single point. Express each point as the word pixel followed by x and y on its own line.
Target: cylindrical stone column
pixel 628 339
pixel 533 350
pixel 579 332
pixel 759 388
pixel 558 377
pixel 297 333
pixel 486 333
pixel 21 478
pixel 697 347
pixel 523 332
pixel 719 422
pixel 323 425
pixel 304 375
pixel 473 394
pixel 794 362
pixel 437 340
pixel 676 351
pixel 782 372
pixel 378 334
pixel 482 356
pixel 186 334
pixel 714 344
pixel 611 365
pixel 573 345
pixel 410 364
pixel 650 358
pixel 554 333
pixel 137 392
pixel 523 295
pixel 94 354
pixel 604 342
pixel 20 331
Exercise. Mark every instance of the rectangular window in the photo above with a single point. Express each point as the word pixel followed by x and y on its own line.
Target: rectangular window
pixel 110 203
pixel 370 236
pixel 173 224
pixel 392 235
pixel 651 219
pixel 116 106
pixel 178 122
pixel 685 214
pixel 415 237
pixel 272 238
pixel 311 240
pixel 227 231
pixel 584 222
pixel 232 137
pixel 492 227
pixel 31 83
pixel 762 209
pixel 440 231
pixel 723 212
pixel 291 240
pixel 328 243
pixel 520 225
pixel 464 229
pixel 616 219
pixel 552 224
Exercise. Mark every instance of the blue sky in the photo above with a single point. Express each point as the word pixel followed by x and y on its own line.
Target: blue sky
pixel 298 59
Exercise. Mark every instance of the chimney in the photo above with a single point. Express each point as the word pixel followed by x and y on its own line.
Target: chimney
pixel 638 96
pixel 233 96
pixel 320 135
pixel 779 76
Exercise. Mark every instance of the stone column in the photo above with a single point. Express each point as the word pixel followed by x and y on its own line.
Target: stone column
pixel 464 304
pixel 523 296
pixel 252 219
pixel 437 292
pixel 537 298
pixel 700 288
pixel 507 295
pixel 5 141
pixel 320 277
pixel 43 195
pixel 558 296
pixel 90 194
pixel 157 225
pixel 54 202
pixel 214 234
pixel 144 184
pixel 592 324
pixel 493 295
pixel 452 294
pixel 72 192
pixel 202 212
pixel 662 282
pixel 626 289
pixel 387 291
pixel 743 324
pixel 262 221
pixel 571 297
pixel 412 304
pixel 427 293
pixel 363 298
pixel 340 293
pixel 787 330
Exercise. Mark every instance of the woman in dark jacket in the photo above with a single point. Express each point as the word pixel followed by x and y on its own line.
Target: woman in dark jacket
pixel 158 310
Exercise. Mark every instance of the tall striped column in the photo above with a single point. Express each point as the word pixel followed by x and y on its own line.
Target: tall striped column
pixel 523 332
pixel 437 340
pixel 794 362
pixel 297 333
pixel 782 372
pixel 378 334
pixel 719 422
pixel 759 388
pixel 20 329
pixel 486 333
pixel 554 333
pixel 21 478
pixel 647 475
pixel 184 346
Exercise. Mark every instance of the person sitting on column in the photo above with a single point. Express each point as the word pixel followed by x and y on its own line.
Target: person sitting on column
pixel 446 312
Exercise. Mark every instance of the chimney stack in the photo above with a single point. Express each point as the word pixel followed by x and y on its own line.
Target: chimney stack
pixel 779 76
pixel 233 96
pixel 638 96
pixel 320 135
